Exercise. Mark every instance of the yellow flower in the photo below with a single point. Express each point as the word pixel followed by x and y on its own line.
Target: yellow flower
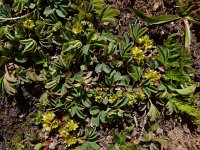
pixel 48 116
pixel 113 98
pixel 152 75
pixel 71 140
pixel 55 124
pixel 146 41
pixel 138 53
pixel 29 24
pixel 46 127
pixel 131 98
pixel 94 37
pixel 72 125
pixel 140 94
pixel 64 131
pixel 77 29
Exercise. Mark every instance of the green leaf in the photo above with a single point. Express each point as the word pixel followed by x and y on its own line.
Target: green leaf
pixel 85 49
pixel 192 20
pixel 2 91
pixel 163 55
pixel 80 114
pixel 60 13
pixel 30 45
pixel 136 73
pixel 102 116
pixel 98 68
pixel 72 111
pixel 87 103
pixel 187 35
pixel 156 19
pixel 48 10
pixel 122 102
pixel 3 60
pixel 38 146
pixel 95 120
pixel 153 112
pixel 106 68
pixel 72 45
pixel 186 91
pixel 93 146
pixel 119 138
pixel 91 135
pixel 107 15
pixel 170 107
pixel 136 31
pixel 94 110
pixel 112 147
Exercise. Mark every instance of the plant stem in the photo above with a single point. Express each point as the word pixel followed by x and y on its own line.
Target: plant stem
pixel 187 34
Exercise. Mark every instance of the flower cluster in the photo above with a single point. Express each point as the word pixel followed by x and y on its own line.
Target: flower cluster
pixel 65 131
pixel 29 24
pixel 114 97
pixel 49 121
pixel 94 37
pixel 146 42
pixel 100 94
pixel 152 75
pixel 135 95
pixel 138 54
pixel 77 29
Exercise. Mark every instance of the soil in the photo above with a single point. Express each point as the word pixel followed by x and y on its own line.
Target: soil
pixel 15 109
pixel 14 118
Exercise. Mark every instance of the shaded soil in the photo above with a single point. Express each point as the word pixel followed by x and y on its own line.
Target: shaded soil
pixel 14 122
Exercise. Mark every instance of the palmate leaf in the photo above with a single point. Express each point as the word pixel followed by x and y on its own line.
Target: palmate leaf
pixel 91 135
pixel 119 138
pixel 156 19
pixel 108 15
pixel 64 61
pixel 136 73
pixel 163 55
pixel 137 31
pixel 30 45
pixel 77 110
pixel 52 84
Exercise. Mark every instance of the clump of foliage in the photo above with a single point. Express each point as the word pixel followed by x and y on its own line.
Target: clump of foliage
pixel 185 10
pixel 88 76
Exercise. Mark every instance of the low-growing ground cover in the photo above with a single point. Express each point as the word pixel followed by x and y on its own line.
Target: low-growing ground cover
pixel 73 77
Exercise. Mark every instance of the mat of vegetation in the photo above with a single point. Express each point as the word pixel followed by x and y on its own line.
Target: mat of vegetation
pixel 95 74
